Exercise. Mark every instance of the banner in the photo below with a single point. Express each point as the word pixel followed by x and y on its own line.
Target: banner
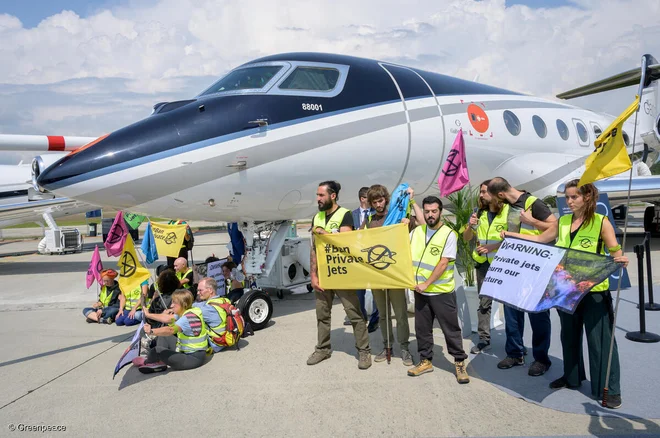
pixel 131 273
pixel 169 238
pixel 213 270
pixel 131 352
pixel 149 246
pixel 134 220
pixel 116 236
pixel 95 268
pixel 377 258
pixel 535 277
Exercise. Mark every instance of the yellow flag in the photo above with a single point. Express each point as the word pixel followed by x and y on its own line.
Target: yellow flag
pixel 610 157
pixel 131 272
pixel 169 238
pixel 377 258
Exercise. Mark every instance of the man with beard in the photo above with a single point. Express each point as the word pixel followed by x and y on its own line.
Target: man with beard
pixel 534 217
pixel 379 199
pixel 486 224
pixel 433 248
pixel 332 218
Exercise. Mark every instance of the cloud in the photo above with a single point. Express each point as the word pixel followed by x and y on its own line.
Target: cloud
pixel 86 76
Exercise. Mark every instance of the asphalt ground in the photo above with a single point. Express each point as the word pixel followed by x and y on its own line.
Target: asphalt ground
pixel 56 371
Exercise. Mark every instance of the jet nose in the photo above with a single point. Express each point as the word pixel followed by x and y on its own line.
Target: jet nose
pixel 63 171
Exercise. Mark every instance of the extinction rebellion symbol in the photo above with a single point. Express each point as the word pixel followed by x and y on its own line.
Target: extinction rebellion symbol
pixel 380 256
pixel 585 243
pixel 128 265
pixel 116 234
pixel 434 251
pixel 170 238
pixel 450 168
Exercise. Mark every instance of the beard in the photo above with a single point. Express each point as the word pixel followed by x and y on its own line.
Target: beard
pixel 432 222
pixel 380 211
pixel 325 206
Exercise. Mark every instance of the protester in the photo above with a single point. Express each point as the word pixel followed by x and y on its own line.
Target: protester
pixel 379 199
pixel 360 215
pixel 594 314
pixel 106 308
pixel 485 224
pixel 161 294
pixel 332 218
pixel 184 274
pixel 534 217
pixel 130 302
pixel 215 317
pixel 183 343
pixel 235 281
pixel 433 248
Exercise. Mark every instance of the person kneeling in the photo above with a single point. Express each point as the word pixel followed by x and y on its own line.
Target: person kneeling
pixel 182 345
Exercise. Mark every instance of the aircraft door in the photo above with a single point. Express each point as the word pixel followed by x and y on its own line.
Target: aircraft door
pixel 425 129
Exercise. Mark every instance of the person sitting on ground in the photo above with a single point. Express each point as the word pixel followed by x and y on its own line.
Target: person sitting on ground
pixel 183 343
pixel 161 295
pixel 235 281
pixel 184 274
pixel 106 308
pixel 209 301
pixel 130 302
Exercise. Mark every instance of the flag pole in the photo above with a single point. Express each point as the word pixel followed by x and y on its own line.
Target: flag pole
pixel 623 243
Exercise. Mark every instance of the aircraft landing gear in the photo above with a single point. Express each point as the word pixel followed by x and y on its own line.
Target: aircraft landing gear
pixel 256 308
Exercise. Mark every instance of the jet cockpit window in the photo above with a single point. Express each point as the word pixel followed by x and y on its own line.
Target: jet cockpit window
pixel 562 129
pixel 311 78
pixel 511 122
pixel 539 126
pixel 248 78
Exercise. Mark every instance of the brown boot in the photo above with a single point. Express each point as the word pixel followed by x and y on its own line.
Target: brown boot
pixel 318 356
pixel 365 360
pixel 425 366
pixel 461 373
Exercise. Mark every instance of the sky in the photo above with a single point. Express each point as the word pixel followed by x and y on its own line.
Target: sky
pixel 88 67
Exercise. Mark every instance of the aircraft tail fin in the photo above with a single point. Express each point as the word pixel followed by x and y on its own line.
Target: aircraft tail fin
pixel 649 116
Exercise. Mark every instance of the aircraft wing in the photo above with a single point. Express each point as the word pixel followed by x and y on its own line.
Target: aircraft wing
pixel 32 211
pixel 643 188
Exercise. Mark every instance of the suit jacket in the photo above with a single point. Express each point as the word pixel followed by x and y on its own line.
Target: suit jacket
pixel 357 219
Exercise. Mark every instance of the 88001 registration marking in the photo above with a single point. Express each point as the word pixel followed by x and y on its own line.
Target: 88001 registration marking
pixel 312 107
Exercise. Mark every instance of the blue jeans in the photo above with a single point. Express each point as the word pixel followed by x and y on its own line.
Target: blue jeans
pixel 108 312
pixel 515 326
pixel 373 321
pixel 123 318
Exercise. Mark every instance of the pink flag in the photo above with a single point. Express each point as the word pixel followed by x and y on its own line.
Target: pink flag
pixel 454 175
pixel 95 268
pixel 114 244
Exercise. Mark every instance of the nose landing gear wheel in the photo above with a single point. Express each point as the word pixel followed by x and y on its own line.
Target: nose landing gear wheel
pixel 256 308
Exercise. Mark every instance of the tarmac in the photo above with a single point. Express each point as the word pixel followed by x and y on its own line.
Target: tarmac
pixel 56 371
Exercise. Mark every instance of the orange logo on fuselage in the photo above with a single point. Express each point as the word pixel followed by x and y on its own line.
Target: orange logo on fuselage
pixel 478 118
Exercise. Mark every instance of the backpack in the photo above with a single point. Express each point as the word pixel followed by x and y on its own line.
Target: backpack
pixel 234 323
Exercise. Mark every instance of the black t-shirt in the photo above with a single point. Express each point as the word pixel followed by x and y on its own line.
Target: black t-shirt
pixel 346 222
pixel 540 211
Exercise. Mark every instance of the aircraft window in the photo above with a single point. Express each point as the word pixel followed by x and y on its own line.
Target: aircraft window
pixel 311 78
pixel 249 78
pixel 582 132
pixel 562 129
pixel 626 139
pixel 511 122
pixel 539 126
pixel 597 130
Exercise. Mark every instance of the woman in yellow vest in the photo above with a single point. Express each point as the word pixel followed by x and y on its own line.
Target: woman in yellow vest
pixel 183 343
pixel 594 313
pixel 106 308
pixel 130 303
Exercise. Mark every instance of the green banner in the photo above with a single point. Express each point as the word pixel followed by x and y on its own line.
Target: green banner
pixel 134 220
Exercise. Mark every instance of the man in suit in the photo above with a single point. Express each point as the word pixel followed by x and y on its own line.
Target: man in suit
pixel 359 216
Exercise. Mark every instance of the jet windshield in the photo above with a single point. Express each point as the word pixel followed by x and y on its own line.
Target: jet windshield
pixel 249 78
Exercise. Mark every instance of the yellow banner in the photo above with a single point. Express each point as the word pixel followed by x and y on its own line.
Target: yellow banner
pixel 377 258
pixel 131 272
pixel 169 238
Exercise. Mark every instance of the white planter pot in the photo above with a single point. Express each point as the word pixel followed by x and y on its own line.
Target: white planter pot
pixel 467 298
